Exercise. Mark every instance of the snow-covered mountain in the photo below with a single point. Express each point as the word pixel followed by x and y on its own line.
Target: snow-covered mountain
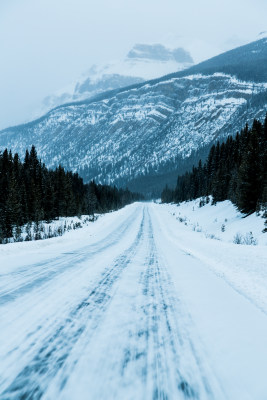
pixel 136 134
pixel 262 35
pixel 143 62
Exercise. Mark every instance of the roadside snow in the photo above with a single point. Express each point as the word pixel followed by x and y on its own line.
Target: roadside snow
pixel 15 254
pixel 195 230
pixel 221 221
pixel 47 230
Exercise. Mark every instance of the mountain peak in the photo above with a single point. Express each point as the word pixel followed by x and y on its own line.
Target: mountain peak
pixel 262 35
pixel 158 52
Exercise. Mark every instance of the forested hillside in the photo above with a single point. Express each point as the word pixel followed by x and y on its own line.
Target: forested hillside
pixel 235 169
pixel 30 193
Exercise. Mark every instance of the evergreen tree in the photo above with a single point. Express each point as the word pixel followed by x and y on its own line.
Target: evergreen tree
pixel 248 187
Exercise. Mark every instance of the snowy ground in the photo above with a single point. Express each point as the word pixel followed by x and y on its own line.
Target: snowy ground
pixel 135 306
pixel 45 230
pixel 221 221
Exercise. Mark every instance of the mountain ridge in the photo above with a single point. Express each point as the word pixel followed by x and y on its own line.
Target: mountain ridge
pixel 148 129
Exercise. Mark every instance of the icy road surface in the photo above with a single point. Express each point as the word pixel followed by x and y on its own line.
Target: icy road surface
pixel 121 311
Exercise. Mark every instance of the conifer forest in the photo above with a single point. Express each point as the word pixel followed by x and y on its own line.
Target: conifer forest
pixel 30 192
pixel 236 170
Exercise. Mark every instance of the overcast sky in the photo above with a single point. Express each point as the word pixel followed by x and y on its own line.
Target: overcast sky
pixel 46 44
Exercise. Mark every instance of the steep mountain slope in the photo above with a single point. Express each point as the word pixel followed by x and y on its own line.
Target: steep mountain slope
pixel 246 63
pixel 139 132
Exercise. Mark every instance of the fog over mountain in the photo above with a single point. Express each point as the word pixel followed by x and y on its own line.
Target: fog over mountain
pixel 143 62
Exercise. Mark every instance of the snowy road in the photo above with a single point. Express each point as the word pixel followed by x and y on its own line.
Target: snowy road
pixel 122 311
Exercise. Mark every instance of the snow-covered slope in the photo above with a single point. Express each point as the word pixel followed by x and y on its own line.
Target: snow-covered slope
pixel 143 62
pixel 221 222
pixel 148 129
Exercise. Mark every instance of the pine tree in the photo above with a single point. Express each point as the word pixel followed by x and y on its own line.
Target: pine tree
pixel 248 187
pixel 91 199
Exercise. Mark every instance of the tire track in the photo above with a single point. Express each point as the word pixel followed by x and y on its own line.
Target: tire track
pixel 161 352
pixel 40 273
pixel 150 352
pixel 33 381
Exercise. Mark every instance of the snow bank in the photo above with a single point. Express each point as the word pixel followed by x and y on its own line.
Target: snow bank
pixel 13 254
pixel 221 221
pixel 194 230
